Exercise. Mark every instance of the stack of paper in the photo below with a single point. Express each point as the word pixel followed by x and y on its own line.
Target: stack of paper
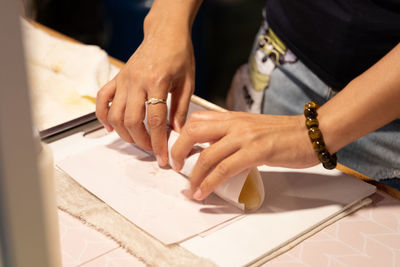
pixel 129 180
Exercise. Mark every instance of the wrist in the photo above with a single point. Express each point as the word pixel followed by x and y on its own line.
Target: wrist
pixel 164 27
pixel 159 20
pixel 336 127
pixel 309 155
pixel 325 155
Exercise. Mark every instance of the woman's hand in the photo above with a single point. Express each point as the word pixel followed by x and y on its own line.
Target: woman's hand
pixel 240 141
pixel 163 63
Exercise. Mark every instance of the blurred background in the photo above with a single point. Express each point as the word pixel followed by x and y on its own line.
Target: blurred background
pixel 223 33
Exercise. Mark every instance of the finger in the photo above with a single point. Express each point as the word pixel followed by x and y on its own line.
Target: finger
pixel 104 97
pixel 204 115
pixel 201 115
pixel 226 169
pixel 116 115
pixel 179 105
pixel 211 157
pixel 195 132
pixel 157 122
pixel 134 115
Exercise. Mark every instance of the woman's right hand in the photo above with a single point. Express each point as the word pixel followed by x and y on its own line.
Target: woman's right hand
pixel 163 63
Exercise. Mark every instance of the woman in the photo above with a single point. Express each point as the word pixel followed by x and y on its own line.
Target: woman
pixel 344 56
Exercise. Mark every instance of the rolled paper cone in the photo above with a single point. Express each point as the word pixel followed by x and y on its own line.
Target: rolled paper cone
pixel 244 190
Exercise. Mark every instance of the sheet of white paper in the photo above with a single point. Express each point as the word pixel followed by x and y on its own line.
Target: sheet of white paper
pixel 298 201
pixel 130 181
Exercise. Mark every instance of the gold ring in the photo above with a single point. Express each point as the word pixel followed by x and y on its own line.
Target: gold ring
pixel 156 101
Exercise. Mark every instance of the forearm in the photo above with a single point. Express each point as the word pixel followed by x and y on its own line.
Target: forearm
pixel 178 15
pixel 367 103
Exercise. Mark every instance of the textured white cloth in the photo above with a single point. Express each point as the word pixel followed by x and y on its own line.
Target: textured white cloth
pixel 64 77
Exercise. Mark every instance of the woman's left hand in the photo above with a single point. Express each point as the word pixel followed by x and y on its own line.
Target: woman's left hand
pixel 240 141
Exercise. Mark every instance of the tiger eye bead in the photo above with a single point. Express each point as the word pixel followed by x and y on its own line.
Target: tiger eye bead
pixel 329 165
pixel 315 134
pixel 324 156
pixel 311 122
pixel 310 113
pixel 318 146
pixel 311 105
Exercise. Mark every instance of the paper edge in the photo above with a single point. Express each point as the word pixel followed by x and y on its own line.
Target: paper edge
pixel 286 247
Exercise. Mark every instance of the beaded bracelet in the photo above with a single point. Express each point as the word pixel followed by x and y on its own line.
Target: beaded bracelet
pixel 310 112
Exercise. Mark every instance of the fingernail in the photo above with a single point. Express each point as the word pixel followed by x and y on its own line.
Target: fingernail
pixel 197 194
pixel 188 193
pixel 173 165
pixel 108 128
pixel 159 161
pixel 165 160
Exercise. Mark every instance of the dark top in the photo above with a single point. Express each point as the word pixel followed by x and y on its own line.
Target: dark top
pixel 337 39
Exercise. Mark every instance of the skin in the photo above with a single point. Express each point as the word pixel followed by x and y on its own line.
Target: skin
pixel 241 140
pixel 164 63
